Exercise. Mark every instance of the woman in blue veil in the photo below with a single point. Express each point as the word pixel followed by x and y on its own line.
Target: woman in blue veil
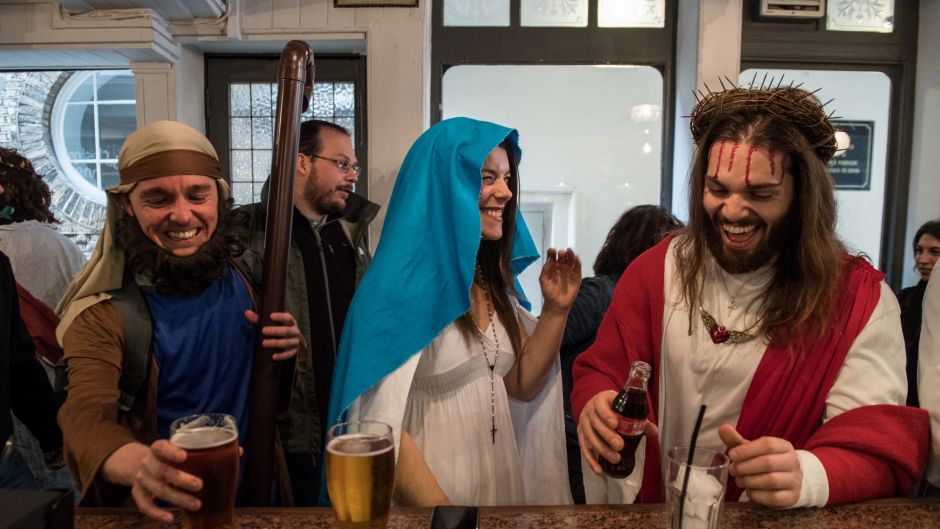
pixel 436 341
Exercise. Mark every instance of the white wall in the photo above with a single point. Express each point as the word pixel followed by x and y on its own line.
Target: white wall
pixel 708 48
pixel 924 197
pixel 577 136
pixel 191 81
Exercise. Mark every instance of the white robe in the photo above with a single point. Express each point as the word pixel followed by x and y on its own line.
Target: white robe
pixel 441 396
pixel 928 373
pixel 695 371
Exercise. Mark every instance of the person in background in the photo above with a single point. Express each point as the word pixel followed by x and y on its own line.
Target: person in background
pixel 926 252
pixel 43 259
pixel 437 343
pixel 160 324
pixel 328 255
pixel 757 310
pixel 637 230
pixel 24 391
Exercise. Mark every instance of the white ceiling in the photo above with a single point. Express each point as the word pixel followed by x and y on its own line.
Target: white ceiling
pixel 167 9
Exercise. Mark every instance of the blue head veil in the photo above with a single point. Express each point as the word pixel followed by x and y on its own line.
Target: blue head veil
pixel 419 281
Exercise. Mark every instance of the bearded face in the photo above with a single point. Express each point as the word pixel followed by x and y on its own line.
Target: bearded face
pixel 748 198
pixel 173 274
pixel 322 186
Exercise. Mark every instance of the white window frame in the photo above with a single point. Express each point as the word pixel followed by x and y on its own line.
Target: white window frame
pixel 62 101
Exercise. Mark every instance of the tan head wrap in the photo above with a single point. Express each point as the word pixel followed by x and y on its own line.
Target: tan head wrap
pixel 163 148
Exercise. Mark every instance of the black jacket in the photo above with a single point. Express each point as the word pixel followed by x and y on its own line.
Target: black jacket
pixel 911 300
pixel 24 387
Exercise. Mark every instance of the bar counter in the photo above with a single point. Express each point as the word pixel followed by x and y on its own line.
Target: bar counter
pixel 893 514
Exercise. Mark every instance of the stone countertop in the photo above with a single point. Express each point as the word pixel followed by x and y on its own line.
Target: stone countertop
pixel 894 514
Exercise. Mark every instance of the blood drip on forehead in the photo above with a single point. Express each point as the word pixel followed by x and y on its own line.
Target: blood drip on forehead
pixel 747 168
pixel 753 159
pixel 734 149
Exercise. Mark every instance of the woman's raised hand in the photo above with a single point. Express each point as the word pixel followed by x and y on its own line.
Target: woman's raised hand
pixel 560 279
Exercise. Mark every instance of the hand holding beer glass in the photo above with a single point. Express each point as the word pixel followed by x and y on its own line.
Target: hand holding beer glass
pixel 211 444
pixel 360 473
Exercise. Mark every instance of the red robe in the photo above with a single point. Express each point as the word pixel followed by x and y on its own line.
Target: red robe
pixel 868 452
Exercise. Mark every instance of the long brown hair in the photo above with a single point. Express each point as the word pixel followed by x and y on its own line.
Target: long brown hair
pixel 494 263
pixel 799 300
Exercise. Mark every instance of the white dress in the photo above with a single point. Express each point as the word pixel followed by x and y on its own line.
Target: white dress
pixel 448 413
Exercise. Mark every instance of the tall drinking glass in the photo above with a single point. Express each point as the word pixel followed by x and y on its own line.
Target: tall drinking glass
pixel 360 473
pixel 705 494
pixel 211 444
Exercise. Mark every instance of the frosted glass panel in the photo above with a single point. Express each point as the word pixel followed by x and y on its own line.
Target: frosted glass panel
pixel 591 139
pixel 343 100
pixel 860 15
pixel 631 13
pixel 476 13
pixel 261 99
pixel 322 99
pixel 857 98
pixel 554 13
pixel 240 100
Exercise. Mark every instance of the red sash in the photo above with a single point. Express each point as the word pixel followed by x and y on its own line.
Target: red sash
pixel 778 393
pixel 40 322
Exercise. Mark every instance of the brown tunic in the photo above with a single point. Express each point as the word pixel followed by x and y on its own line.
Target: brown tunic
pixel 91 425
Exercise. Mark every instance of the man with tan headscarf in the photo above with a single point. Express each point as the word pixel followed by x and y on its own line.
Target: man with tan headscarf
pixel 159 324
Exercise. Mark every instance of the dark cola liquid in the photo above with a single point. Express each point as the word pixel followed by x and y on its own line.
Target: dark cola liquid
pixel 630 403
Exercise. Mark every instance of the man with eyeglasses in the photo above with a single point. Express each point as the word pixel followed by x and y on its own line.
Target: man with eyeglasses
pixel 328 255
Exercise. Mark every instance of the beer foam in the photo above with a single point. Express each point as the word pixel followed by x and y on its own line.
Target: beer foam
pixel 359 444
pixel 203 437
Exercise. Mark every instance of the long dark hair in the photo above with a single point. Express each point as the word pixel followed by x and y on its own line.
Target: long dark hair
pixel 799 299
pixel 23 189
pixel 636 231
pixel 494 262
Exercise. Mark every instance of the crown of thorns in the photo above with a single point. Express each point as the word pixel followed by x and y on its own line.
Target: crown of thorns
pixel 787 103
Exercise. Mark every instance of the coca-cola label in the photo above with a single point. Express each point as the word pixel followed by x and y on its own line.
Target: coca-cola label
pixel 631 427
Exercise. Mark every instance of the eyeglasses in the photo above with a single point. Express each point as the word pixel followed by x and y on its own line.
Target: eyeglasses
pixel 342 165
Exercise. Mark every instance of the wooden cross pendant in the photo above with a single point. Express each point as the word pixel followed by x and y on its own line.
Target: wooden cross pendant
pixel 493 433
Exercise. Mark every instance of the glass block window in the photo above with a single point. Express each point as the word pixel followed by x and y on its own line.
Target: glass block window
pixel 476 13
pixel 92 115
pixel 554 13
pixel 631 13
pixel 860 15
pixel 251 128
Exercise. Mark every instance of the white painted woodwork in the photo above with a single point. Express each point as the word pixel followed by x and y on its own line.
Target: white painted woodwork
pixel 168 9
pixel 155 89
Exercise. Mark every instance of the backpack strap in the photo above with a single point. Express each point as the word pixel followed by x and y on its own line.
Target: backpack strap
pixel 137 328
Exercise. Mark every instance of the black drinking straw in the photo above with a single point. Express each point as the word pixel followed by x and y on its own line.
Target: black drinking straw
pixel 688 463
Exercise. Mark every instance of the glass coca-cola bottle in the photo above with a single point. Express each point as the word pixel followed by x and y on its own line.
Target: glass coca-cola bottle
pixel 631 405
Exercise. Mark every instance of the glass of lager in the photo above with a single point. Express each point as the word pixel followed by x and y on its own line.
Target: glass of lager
pixel 211 444
pixel 360 473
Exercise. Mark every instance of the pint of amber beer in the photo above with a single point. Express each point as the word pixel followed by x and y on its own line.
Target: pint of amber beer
pixel 211 444
pixel 360 473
